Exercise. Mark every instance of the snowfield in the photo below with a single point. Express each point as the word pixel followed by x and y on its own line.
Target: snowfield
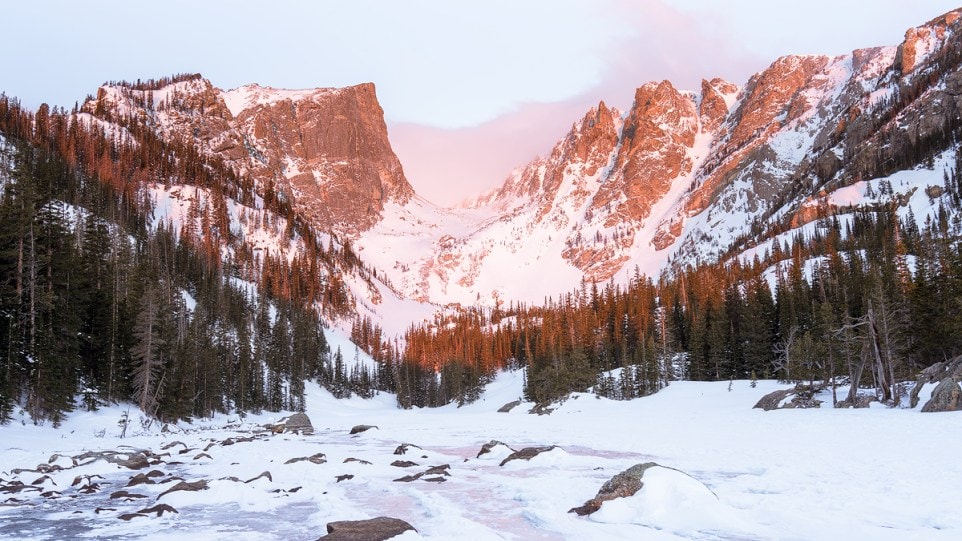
pixel 874 473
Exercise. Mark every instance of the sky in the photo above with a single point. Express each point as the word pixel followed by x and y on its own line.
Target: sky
pixel 470 89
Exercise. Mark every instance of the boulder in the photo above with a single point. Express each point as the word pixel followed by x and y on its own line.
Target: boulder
pixel 509 406
pixel 375 529
pixel 299 423
pixel 936 373
pixel 947 396
pixel 803 396
pixel 362 428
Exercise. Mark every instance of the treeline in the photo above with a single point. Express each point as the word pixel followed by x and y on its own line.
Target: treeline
pixel 95 303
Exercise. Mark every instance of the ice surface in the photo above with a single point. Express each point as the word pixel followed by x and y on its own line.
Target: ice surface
pixel 787 474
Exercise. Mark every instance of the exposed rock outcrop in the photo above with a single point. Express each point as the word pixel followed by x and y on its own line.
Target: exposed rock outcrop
pixel 946 397
pixel 375 529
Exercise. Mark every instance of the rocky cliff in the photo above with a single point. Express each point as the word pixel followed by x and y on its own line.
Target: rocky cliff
pixel 325 150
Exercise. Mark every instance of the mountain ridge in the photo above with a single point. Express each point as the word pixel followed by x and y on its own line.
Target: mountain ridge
pixel 675 179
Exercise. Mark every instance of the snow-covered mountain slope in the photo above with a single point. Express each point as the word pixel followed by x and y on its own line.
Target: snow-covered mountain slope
pixel 682 176
pixel 317 162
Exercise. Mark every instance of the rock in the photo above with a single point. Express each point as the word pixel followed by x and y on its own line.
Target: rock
pixel 158 509
pixel 129 516
pixel 936 373
pixel 527 453
pixel 174 444
pixel 509 406
pixel 803 396
pixel 263 474
pixel 947 396
pixel 439 471
pixel 403 448
pixel 185 486
pixel 144 478
pixel 375 529
pixel 541 409
pixel 344 477
pixel 488 447
pixel 861 401
pixel 362 428
pixel 317 458
pixel 126 495
pixel 299 423
pixel 623 485
pixel 772 399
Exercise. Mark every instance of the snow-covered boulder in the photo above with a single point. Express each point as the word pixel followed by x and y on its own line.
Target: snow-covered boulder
pixel 665 499
pixel 622 485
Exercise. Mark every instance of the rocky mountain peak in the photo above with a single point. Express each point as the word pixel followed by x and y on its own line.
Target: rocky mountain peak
pixel 715 96
pixel 922 40
pixel 326 150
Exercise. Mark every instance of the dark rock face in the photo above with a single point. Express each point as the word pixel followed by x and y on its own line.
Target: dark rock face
pixel 622 485
pixel 946 397
pixel 375 529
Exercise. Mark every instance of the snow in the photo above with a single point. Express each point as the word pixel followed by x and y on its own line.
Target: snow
pixel 748 474
pixel 241 98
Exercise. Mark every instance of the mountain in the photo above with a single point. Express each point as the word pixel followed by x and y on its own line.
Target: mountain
pixel 682 176
pixel 325 150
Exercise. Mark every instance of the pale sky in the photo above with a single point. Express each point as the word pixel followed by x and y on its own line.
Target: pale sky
pixel 470 88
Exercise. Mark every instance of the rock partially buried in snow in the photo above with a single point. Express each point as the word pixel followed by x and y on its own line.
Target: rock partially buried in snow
pixel 625 484
pixel 495 448
pixel 665 499
pixel 375 529
pixel 509 406
pixel 362 428
pixel 527 453
pixel 947 396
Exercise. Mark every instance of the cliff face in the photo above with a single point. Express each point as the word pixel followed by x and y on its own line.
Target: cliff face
pixel 326 150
